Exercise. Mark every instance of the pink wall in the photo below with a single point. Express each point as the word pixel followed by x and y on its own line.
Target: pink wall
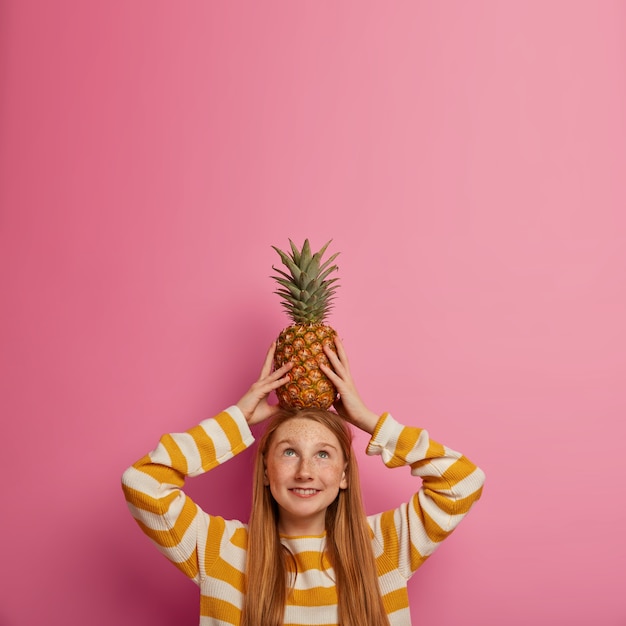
pixel 468 159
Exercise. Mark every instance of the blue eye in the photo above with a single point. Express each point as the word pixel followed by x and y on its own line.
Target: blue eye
pixel 289 452
pixel 323 454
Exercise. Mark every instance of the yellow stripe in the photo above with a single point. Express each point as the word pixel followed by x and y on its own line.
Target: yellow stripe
pixel 219 610
pixel 443 503
pixel 391 542
pixel 415 558
pixel 205 446
pixel 396 600
pixel 459 470
pixel 384 564
pixel 463 505
pixel 388 560
pixel 310 559
pixel 231 430
pixel 435 450
pixel 179 461
pixel 316 596
pixel 171 538
pixel 160 473
pixel 433 530
pixel 240 538
pixel 214 536
pixel 143 501
pixel 406 442
pixel 229 574
pixel 454 507
pixel 437 483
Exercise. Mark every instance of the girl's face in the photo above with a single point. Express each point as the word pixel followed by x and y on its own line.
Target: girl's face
pixel 305 469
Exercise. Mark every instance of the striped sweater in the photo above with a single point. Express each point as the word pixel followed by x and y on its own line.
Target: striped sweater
pixel 212 551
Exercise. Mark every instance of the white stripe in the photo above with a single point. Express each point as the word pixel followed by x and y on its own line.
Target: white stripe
pixel 311 614
pixel 418 535
pixel 224 591
pixel 465 487
pixel 140 481
pixel 388 582
pixel 434 467
pixel 234 556
pixel 400 618
pixel 304 544
pixel 160 455
pixel 215 432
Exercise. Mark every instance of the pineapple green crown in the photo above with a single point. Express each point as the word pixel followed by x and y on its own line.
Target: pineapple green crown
pixel 306 291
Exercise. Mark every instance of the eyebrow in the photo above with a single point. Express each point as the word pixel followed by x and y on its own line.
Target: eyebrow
pixel 321 444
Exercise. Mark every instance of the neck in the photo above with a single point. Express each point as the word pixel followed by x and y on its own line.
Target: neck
pixel 302 527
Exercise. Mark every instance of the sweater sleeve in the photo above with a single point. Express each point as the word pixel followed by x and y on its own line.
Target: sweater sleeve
pixel 153 488
pixel 451 484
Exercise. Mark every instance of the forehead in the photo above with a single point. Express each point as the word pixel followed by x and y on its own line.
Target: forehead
pixel 303 430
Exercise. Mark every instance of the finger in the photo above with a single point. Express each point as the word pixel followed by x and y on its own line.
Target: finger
pixel 282 370
pixel 341 351
pixel 269 359
pixel 334 377
pixel 334 359
pixel 277 378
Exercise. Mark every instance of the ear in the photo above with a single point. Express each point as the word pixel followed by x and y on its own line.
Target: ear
pixel 266 480
pixel 344 481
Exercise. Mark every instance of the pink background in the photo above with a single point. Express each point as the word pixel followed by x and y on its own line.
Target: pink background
pixel 468 160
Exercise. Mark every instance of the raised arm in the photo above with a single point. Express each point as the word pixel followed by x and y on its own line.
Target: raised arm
pixel 153 486
pixel 451 483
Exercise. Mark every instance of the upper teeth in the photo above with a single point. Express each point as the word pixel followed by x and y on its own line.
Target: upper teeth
pixel 306 492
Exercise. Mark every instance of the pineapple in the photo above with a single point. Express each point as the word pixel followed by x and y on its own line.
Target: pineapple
pixel 306 293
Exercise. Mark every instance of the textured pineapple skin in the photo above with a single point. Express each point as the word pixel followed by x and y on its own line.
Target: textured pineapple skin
pixel 308 385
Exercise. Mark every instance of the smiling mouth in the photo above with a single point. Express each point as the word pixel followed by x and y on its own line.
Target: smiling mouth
pixel 304 492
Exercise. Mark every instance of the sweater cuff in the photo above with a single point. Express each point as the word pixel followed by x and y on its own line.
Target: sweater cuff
pixel 243 426
pixel 387 431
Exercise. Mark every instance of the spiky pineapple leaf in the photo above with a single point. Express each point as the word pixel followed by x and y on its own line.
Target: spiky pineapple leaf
pixel 305 256
pixel 313 268
pixel 295 253
pixel 305 290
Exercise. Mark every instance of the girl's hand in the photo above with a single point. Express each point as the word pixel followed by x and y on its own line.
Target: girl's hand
pixel 349 404
pixel 254 404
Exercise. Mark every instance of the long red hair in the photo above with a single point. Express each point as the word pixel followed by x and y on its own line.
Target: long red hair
pixel 348 541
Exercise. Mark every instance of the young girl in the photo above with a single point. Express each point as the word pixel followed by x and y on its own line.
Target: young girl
pixel 309 555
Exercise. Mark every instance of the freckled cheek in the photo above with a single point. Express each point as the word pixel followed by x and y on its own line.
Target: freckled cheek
pixel 282 469
pixel 332 473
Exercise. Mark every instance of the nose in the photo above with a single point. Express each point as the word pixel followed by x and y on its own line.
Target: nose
pixel 304 470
